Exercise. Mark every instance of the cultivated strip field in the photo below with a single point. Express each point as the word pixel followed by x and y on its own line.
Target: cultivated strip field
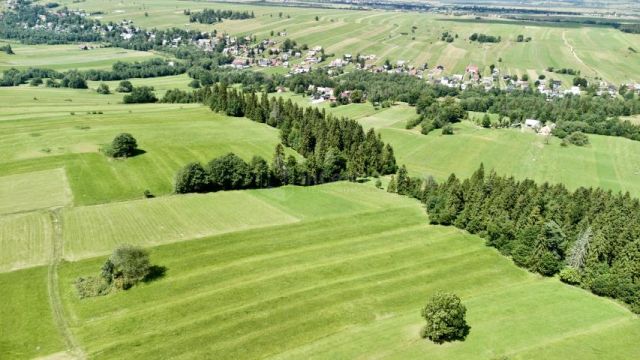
pixel 25 240
pixel 97 230
pixel 36 190
pixel 601 51
pixel 71 135
pixel 65 57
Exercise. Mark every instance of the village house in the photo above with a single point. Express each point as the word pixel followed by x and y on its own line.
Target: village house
pixel 533 124
pixel 472 69
pixel 239 63
pixel 337 63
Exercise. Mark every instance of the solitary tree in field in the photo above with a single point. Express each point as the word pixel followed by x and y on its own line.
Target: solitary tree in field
pixel 123 145
pixel 445 316
pixel 127 266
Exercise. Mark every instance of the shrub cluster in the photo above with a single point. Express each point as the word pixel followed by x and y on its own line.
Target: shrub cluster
pixel 140 95
pixel 127 266
pixel 211 16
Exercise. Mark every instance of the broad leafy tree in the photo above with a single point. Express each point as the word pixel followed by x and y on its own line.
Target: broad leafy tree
pixel 445 316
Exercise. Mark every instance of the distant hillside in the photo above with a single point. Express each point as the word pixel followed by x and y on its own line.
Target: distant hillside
pixel 600 5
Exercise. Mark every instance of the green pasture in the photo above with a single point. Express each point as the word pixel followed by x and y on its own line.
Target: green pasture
pixel 26 323
pixel 336 271
pixel 51 133
pixel 338 284
pixel 608 162
pixel 66 57
pixel 36 190
pixel 25 240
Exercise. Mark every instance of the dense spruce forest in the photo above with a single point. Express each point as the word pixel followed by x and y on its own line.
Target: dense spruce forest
pixel 211 16
pixel 334 148
pixel 591 237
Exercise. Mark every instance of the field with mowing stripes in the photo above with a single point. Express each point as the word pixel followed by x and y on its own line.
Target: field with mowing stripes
pixel 51 133
pixel 36 190
pixel 595 51
pixel 609 162
pixel 66 57
pixel 334 271
pixel 342 274
pixel 162 220
pixel 25 240
pixel 336 284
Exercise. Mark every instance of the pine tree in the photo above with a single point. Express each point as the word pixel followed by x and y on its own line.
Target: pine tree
pixel 392 185
pixel 278 166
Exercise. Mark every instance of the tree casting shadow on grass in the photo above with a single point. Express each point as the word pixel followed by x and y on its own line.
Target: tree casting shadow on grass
pixel 156 272
pixel 459 337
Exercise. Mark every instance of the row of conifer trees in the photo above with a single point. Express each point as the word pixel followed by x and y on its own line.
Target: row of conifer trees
pixel 591 237
pixel 333 148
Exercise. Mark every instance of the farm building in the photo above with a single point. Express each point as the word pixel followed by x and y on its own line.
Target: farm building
pixel 533 124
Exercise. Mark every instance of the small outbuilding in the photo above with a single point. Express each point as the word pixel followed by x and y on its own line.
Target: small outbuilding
pixel 533 124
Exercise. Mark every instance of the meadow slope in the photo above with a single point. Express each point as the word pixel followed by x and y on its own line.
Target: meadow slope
pixel 347 280
pixel 594 50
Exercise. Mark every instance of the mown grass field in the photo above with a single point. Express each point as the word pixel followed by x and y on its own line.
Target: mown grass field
pixel 66 57
pixel 345 281
pixel 600 51
pixel 608 162
pixel 25 240
pixel 36 190
pixel 333 271
pixel 48 129
pixel 26 323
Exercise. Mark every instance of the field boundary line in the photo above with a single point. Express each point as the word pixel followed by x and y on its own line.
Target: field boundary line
pixel 53 287
pixel 573 52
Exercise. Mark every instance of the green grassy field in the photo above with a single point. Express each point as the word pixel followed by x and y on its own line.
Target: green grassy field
pixel 36 190
pixel 44 131
pixel 25 240
pixel 608 162
pixel 346 280
pixel 601 51
pixel 339 270
pixel 65 57
pixel 26 323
